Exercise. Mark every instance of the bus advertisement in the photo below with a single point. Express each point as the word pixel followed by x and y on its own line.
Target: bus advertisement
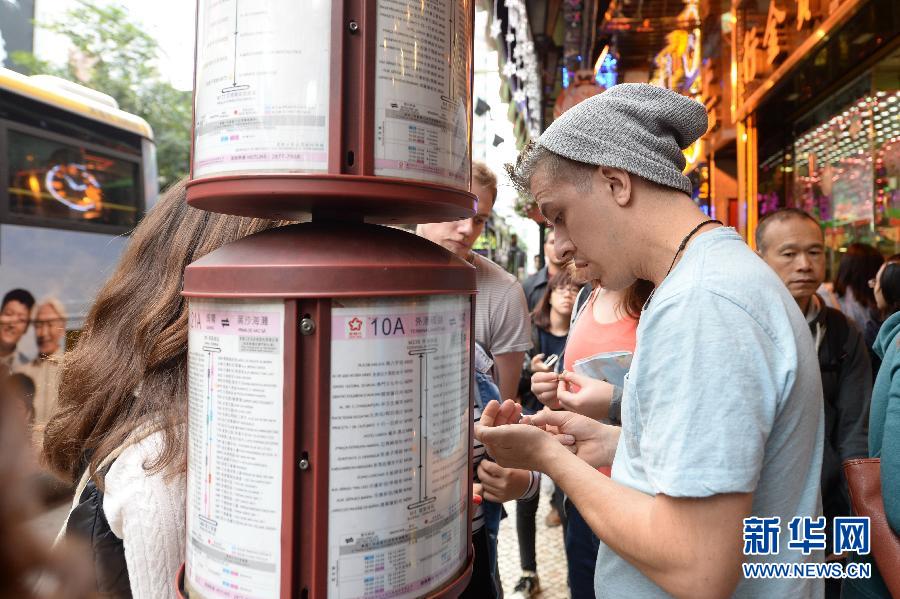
pixel 78 174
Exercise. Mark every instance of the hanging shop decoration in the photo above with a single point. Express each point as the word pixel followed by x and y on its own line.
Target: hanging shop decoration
pixel 520 68
pixel 678 67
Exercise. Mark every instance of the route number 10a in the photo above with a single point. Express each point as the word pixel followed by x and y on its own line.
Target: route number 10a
pixel 386 326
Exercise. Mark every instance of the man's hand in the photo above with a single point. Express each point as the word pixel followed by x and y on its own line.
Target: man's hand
pixel 544 386
pixel 513 445
pixel 501 484
pixel 584 395
pixel 498 414
pixel 593 442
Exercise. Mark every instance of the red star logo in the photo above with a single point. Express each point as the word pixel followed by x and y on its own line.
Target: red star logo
pixel 355 324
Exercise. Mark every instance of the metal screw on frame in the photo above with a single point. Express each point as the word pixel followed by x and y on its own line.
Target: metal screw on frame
pixel 353 26
pixel 307 326
pixel 304 464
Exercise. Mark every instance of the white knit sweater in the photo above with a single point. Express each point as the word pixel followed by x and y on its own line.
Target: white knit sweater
pixel 146 511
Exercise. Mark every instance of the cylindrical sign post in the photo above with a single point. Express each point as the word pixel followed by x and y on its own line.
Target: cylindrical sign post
pixel 330 391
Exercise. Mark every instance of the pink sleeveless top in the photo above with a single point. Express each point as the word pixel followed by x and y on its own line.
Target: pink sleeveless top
pixel 588 338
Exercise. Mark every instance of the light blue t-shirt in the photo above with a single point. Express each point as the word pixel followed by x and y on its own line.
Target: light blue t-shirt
pixel 724 396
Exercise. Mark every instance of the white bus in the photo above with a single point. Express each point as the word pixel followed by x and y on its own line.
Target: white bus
pixel 77 175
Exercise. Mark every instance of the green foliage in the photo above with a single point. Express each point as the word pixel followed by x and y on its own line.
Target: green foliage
pixel 112 54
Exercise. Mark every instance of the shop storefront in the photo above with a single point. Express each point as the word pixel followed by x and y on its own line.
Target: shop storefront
pixel 695 62
pixel 816 97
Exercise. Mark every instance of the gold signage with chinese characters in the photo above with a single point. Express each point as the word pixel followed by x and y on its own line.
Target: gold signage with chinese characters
pixel 765 39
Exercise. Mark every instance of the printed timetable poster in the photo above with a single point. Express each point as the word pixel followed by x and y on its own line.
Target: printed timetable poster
pixel 399 445
pixel 235 405
pixel 262 87
pixel 423 91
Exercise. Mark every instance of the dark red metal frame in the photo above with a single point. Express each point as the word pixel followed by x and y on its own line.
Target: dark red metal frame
pixel 350 189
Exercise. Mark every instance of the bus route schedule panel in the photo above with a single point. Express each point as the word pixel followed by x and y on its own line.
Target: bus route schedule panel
pixel 423 91
pixel 262 87
pixel 399 445
pixel 235 408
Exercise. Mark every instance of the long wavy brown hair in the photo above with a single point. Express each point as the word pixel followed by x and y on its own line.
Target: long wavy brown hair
pixel 129 367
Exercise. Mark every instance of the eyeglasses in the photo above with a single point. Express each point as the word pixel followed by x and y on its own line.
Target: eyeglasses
pixel 872 283
pixel 48 324
pixel 566 290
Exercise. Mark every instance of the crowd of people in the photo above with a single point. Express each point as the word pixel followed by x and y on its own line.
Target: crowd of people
pixel 746 381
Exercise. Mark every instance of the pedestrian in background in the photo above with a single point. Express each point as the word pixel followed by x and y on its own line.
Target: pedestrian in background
pixel 119 429
pixel 792 243
pixel 550 328
pixel 502 325
pixel 49 331
pixel 536 284
pixel 852 294
pixel 502 330
pixel 15 315
pixel 884 421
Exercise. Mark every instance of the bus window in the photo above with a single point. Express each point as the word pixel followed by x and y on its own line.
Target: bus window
pixel 54 180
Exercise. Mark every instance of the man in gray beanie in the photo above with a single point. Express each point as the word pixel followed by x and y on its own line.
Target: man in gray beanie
pixel 722 420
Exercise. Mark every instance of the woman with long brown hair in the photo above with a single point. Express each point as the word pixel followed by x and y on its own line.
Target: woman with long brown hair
pixel 119 427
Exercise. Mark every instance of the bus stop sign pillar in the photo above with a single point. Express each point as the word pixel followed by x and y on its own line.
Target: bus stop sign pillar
pixel 330 387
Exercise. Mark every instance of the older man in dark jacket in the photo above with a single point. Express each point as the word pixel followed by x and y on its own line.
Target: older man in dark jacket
pixel 791 242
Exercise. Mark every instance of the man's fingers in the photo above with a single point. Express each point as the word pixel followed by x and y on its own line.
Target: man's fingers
pixel 565 439
pixel 550 418
pixel 489 414
pixel 551 401
pixel 578 379
pixel 491 497
pixel 564 396
pixel 493 436
pixel 489 469
pixel 543 385
pixel 508 413
pixel 543 378
pixel 572 447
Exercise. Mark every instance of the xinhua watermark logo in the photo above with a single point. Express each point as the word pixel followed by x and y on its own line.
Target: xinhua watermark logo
pixel 762 536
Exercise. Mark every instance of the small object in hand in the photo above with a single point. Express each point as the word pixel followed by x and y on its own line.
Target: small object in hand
pixel 551 361
pixel 477 499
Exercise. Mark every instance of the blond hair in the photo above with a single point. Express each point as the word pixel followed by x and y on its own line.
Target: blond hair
pixel 485 177
pixel 54 303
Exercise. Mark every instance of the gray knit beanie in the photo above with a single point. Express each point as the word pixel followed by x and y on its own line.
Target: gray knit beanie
pixel 639 128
